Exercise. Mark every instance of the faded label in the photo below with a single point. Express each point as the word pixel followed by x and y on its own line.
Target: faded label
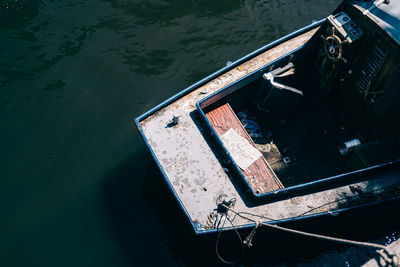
pixel 240 149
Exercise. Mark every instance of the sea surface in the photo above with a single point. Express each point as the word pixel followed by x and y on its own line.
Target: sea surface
pixel 77 185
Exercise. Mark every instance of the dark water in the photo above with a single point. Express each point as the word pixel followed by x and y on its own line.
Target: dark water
pixel 78 186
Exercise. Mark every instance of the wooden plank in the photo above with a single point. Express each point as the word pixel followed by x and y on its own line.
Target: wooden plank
pixel 259 175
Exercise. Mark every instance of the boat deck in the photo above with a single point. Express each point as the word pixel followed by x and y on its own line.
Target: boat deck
pixel 193 171
pixel 259 174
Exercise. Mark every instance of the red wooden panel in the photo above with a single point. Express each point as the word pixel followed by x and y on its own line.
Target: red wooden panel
pixel 259 175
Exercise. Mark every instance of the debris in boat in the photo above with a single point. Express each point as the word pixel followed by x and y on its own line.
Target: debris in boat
pixel 173 122
pixel 264 148
pixel 251 125
pixel 255 135
pixel 242 115
pixel 356 189
pixel 295 200
pixel 287 160
pixel 240 149
pixel 246 115
pixel 203 92
pixel 212 220
pixel 334 213
pixel 349 146
pixel 252 128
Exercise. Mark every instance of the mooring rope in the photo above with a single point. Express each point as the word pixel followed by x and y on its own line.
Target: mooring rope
pixel 390 258
pixel 232 201
pixel 229 204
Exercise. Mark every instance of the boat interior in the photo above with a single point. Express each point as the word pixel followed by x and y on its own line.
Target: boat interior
pixel 327 110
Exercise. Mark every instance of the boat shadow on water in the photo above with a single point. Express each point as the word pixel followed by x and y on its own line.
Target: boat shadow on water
pixel 145 220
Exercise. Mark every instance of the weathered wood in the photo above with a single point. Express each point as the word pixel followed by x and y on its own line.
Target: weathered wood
pixel 259 175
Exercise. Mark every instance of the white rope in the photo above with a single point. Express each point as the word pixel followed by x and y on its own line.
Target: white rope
pixel 390 258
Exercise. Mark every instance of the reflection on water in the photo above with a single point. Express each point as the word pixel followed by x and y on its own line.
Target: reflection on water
pixel 79 186
pixel 164 12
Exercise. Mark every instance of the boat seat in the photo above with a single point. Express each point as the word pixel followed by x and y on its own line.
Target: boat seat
pixel 259 174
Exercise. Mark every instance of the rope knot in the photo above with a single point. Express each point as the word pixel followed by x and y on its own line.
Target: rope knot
pixel 250 237
pixel 222 205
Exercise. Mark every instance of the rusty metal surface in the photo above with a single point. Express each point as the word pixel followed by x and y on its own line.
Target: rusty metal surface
pixel 193 170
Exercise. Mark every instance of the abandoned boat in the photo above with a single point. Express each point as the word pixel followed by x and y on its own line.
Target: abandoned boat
pixel 304 127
